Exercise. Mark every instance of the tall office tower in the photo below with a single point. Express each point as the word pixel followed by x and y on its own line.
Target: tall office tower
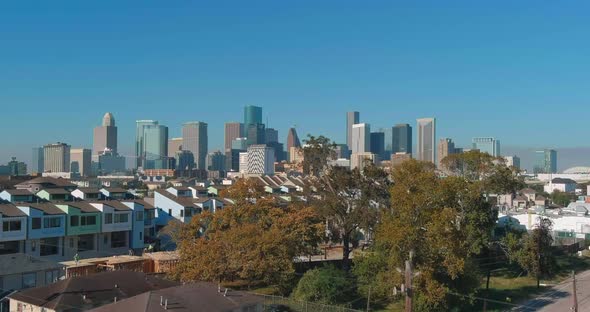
pixel 155 147
pixel 261 160
pixel 446 147
pixel 195 139
pixel 80 161
pixel 56 157
pixel 271 135
pixel 38 162
pixel 388 141
pixel 361 138
pixel 512 161
pixel 216 161
pixel 110 162
pixel 352 118
pixel 378 145
pixel 292 139
pixel 545 161
pixel 105 137
pixel 279 149
pixel 256 134
pixel 174 145
pixel 487 145
pixel 139 140
pixel 426 139
pixel 243 160
pixel 233 130
pixel 185 162
pixel 401 137
pixel 252 115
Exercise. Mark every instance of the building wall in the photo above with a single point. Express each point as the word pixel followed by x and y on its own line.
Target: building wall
pixel 233 130
pixel 361 138
pixel 352 118
pixel 195 140
pixel 56 157
pixel 80 161
pixel 13 235
pixel 426 139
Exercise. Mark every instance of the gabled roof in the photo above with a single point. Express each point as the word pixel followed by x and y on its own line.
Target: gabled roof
pixel 144 203
pixel 56 182
pixel 521 198
pixel 10 210
pixel 198 297
pixel 17 192
pixel 83 206
pixel 563 181
pixel 47 208
pixel 117 205
pixel 528 190
pixel 92 291
pixel 55 191
pixel 89 190
pixel 183 201
pixel 115 190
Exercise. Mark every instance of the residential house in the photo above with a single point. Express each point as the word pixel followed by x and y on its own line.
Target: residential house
pixel 46 229
pixel 37 184
pixel 83 226
pixel 529 193
pixel 19 271
pixel 13 232
pixel 520 201
pixel 88 193
pixel 561 184
pixel 116 226
pixel 17 196
pixel 55 194
pixel 114 193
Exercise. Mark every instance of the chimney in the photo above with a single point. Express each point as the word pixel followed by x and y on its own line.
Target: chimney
pixel 161 300
pixel 166 304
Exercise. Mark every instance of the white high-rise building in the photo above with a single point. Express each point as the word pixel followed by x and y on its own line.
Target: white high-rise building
pixel 426 149
pixel 56 157
pixel 361 138
pixel 244 162
pixel 261 160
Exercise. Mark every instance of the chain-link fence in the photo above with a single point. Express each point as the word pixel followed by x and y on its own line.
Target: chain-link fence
pixel 282 304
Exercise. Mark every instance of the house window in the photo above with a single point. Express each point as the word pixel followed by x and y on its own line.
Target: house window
pixel 74 220
pixel 139 216
pixel 49 246
pixel 170 212
pixel 88 220
pixel 51 277
pixel 108 218
pixel 11 226
pixel 140 236
pixel 182 213
pixel 86 242
pixel 36 223
pixel 118 239
pixel 9 248
pixel 54 222
pixel 122 218
pixel 29 280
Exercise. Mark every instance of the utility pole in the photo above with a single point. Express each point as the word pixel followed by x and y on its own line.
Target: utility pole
pixel 575 295
pixel 409 286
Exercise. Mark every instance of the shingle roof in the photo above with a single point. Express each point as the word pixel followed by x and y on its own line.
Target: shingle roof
pixel 55 191
pixel 145 204
pixel 115 190
pixel 183 201
pixel 83 206
pixel 89 190
pixel 196 297
pixel 117 205
pixel 47 208
pixel 92 291
pixel 10 210
pixel 17 192
pixel 563 181
pixel 48 180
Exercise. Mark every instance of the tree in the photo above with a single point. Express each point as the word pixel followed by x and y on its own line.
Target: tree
pixel 253 240
pixel 561 198
pixel 316 154
pixel 443 223
pixel 327 285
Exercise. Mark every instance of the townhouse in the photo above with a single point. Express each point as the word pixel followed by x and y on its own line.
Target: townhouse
pixel 13 232
pixel 46 229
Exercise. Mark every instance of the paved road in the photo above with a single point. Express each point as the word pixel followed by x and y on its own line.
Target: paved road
pixel 559 298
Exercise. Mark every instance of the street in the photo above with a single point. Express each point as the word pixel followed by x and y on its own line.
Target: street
pixel 559 298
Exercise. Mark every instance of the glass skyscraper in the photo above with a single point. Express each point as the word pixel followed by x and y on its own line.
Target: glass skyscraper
pixel 151 145
pixel 139 140
pixel 487 145
pixel 401 138
pixel 252 115
pixel 545 161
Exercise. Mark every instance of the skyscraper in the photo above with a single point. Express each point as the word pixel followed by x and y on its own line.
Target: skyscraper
pixel 185 162
pixel 155 147
pixel 378 145
pixel 292 139
pixel 174 145
pixel 426 139
pixel 271 135
pixel 252 115
pixel 487 145
pixel 352 118
pixel 80 161
pixel 105 137
pixel 387 141
pixel 361 138
pixel 56 157
pixel 233 130
pixel 401 139
pixel 216 161
pixel 195 139
pixel 545 161
pixel 38 160
pixel 261 160
pixel 139 140
pixel 446 147
pixel 256 134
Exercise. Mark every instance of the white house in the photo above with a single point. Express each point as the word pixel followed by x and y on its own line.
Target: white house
pixel 560 184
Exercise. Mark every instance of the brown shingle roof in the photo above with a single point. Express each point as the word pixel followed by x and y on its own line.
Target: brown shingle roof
pixel 89 190
pixel 115 190
pixel 17 192
pixel 47 180
pixel 10 210
pixel 145 204
pixel 55 191
pixel 47 208
pixel 99 289
pixel 83 206
pixel 184 201
pixel 198 297
pixel 117 205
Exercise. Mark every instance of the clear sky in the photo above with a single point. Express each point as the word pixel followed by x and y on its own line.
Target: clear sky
pixel 516 70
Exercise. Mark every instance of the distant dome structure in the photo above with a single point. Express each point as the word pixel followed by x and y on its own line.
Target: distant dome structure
pixel 574 170
pixel 108 120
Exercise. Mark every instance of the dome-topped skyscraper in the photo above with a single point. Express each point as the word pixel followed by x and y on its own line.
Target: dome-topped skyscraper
pixel 108 120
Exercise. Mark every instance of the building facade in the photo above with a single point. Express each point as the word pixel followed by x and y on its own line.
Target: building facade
pixel 426 139
pixel 401 137
pixel 105 137
pixel 233 130
pixel 56 157
pixel 38 162
pixel 352 118
pixel 545 161
pixel 487 145
pixel 195 139
pixel 378 145
pixel 445 148
pixel 261 160
pixel 361 138
pixel 140 140
pixel 252 115
pixel 80 161
pixel 174 145
pixel 155 147
pixel 292 139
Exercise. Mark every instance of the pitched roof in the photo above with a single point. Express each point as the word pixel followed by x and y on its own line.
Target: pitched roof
pixel 563 181
pixel 55 191
pixel 183 201
pixel 196 297
pixel 89 190
pixel 17 192
pixel 48 180
pixel 47 208
pixel 115 190
pixel 528 190
pixel 92 291
pixel 117 205
pixel 144 203
pixel 83 206
pixel 10 210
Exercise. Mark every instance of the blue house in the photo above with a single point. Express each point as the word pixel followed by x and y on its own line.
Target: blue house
pixel 46 228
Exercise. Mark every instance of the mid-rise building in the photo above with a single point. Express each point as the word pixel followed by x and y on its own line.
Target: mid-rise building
pixel 398 158
pixel 140 140
pixel 233 130
pixel 426 139
pixel 487 145
pixel 109 162
pixel 80 161
pixel 545 161
pixel 446 147
pixel 105 137
pixel 155 147
pixel 185 162
pixel 359 160
pixel 255 134
pixel 243 160
pixel 261 160
pixel 195 139
pixel 352 118
pixel 361 138
pixel 401 137
pixel 512 161
pixel 216 161
pixel 240 144
pixel 38 162
pixel 14 168
pixel 56 157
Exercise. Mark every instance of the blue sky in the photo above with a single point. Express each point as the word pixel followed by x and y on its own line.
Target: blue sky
pixel 516 70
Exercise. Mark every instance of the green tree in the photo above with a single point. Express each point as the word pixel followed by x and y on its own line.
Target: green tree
pixel 561 198
pixel 327 285
pixel 316 154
